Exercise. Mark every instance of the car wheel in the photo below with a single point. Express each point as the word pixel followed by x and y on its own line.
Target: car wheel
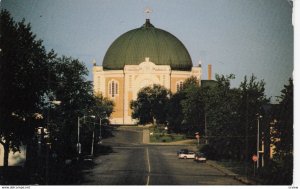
pixel 184 157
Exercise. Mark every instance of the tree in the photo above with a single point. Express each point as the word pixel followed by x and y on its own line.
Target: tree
pixel 231 116
pixel 23 68
pixel 102 107
pixel 184 109
pixel 284 125
pixel 67 83
pixel 279 170
pixel 190 82
pixel 252 98
pixel 174 112
pixel 151 104
pixel 221 104
pixel 193 109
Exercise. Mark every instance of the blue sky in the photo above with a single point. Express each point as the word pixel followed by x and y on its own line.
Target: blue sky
pixel 242 37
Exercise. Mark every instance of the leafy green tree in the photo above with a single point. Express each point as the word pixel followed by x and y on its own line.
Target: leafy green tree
pixel 193 109
pixel 68 84
pixel 190 82
pixel 23 74
pixel 285 133
pixel 252 98
pixel 182 108
pixel 231 114
pixel 279 170
pixel 151 104
pixel 284 125
pixel 174 112
pixel 102 107
pixel 221 104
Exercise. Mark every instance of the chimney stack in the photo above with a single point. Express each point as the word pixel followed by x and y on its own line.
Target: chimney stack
pixel 209 71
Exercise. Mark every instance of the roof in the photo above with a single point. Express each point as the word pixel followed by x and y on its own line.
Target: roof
pixel 134 46
pixel 208 83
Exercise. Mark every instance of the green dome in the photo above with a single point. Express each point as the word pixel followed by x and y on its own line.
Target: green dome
pixel 160 46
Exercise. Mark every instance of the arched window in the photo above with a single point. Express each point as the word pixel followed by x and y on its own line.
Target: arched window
pixel 179 85
pixel 113 88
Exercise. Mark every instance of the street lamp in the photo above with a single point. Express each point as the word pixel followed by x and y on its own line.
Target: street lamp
pixel 78 134
pixel 258 118
pixel 100 124
pixel 55 102
pixel 100 133
pixel 93 138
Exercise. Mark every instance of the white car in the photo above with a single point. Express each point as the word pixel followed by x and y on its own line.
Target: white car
pixel 200 157
pixel 189 155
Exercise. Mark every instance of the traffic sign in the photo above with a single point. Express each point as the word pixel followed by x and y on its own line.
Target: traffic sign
pixel 254 158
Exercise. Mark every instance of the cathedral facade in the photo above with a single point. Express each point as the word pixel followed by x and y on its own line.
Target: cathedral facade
pixel 138 58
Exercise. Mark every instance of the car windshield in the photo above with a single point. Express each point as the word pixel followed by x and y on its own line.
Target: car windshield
pixel 183 151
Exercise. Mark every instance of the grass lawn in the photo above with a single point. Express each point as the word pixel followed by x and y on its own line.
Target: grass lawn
pixel 156 137
pixel 159 134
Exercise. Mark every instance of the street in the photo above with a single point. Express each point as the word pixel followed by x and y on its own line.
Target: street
pixel 134 163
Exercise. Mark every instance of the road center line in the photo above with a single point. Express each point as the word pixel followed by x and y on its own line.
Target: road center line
pixel 149 167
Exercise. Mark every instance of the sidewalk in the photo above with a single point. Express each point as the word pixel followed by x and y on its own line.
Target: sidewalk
pixel 224 170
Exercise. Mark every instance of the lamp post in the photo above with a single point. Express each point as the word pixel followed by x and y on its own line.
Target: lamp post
pixel 100 125
pixel 78 135
pixel 93 138
pixel 258 151
pixel 100 133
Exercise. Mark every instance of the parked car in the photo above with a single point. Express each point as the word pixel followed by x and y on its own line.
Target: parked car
pixel 182 151
pixel 189 155
pixel 200 157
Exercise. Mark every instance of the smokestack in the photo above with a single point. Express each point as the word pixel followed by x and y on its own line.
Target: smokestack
pixel 209 71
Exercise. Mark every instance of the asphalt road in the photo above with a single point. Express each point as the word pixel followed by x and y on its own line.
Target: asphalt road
pixel 134 163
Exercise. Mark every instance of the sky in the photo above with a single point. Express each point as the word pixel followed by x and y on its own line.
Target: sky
pixel 242 37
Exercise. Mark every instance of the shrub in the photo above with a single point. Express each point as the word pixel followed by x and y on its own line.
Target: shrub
pixel 209 151
pixel 277 173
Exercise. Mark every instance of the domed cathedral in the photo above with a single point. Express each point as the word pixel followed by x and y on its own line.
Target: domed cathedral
pixel 141 57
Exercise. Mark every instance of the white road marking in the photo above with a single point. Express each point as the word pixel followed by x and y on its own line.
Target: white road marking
pixel 149 167
pixel 148 179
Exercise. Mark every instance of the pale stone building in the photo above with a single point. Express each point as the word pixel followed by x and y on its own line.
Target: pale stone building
pixel 139 58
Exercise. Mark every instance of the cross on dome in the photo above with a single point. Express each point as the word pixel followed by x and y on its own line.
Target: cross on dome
pixel 148 11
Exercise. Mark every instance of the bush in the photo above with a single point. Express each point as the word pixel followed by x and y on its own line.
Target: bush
pixel 277 173
pixel 209 151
